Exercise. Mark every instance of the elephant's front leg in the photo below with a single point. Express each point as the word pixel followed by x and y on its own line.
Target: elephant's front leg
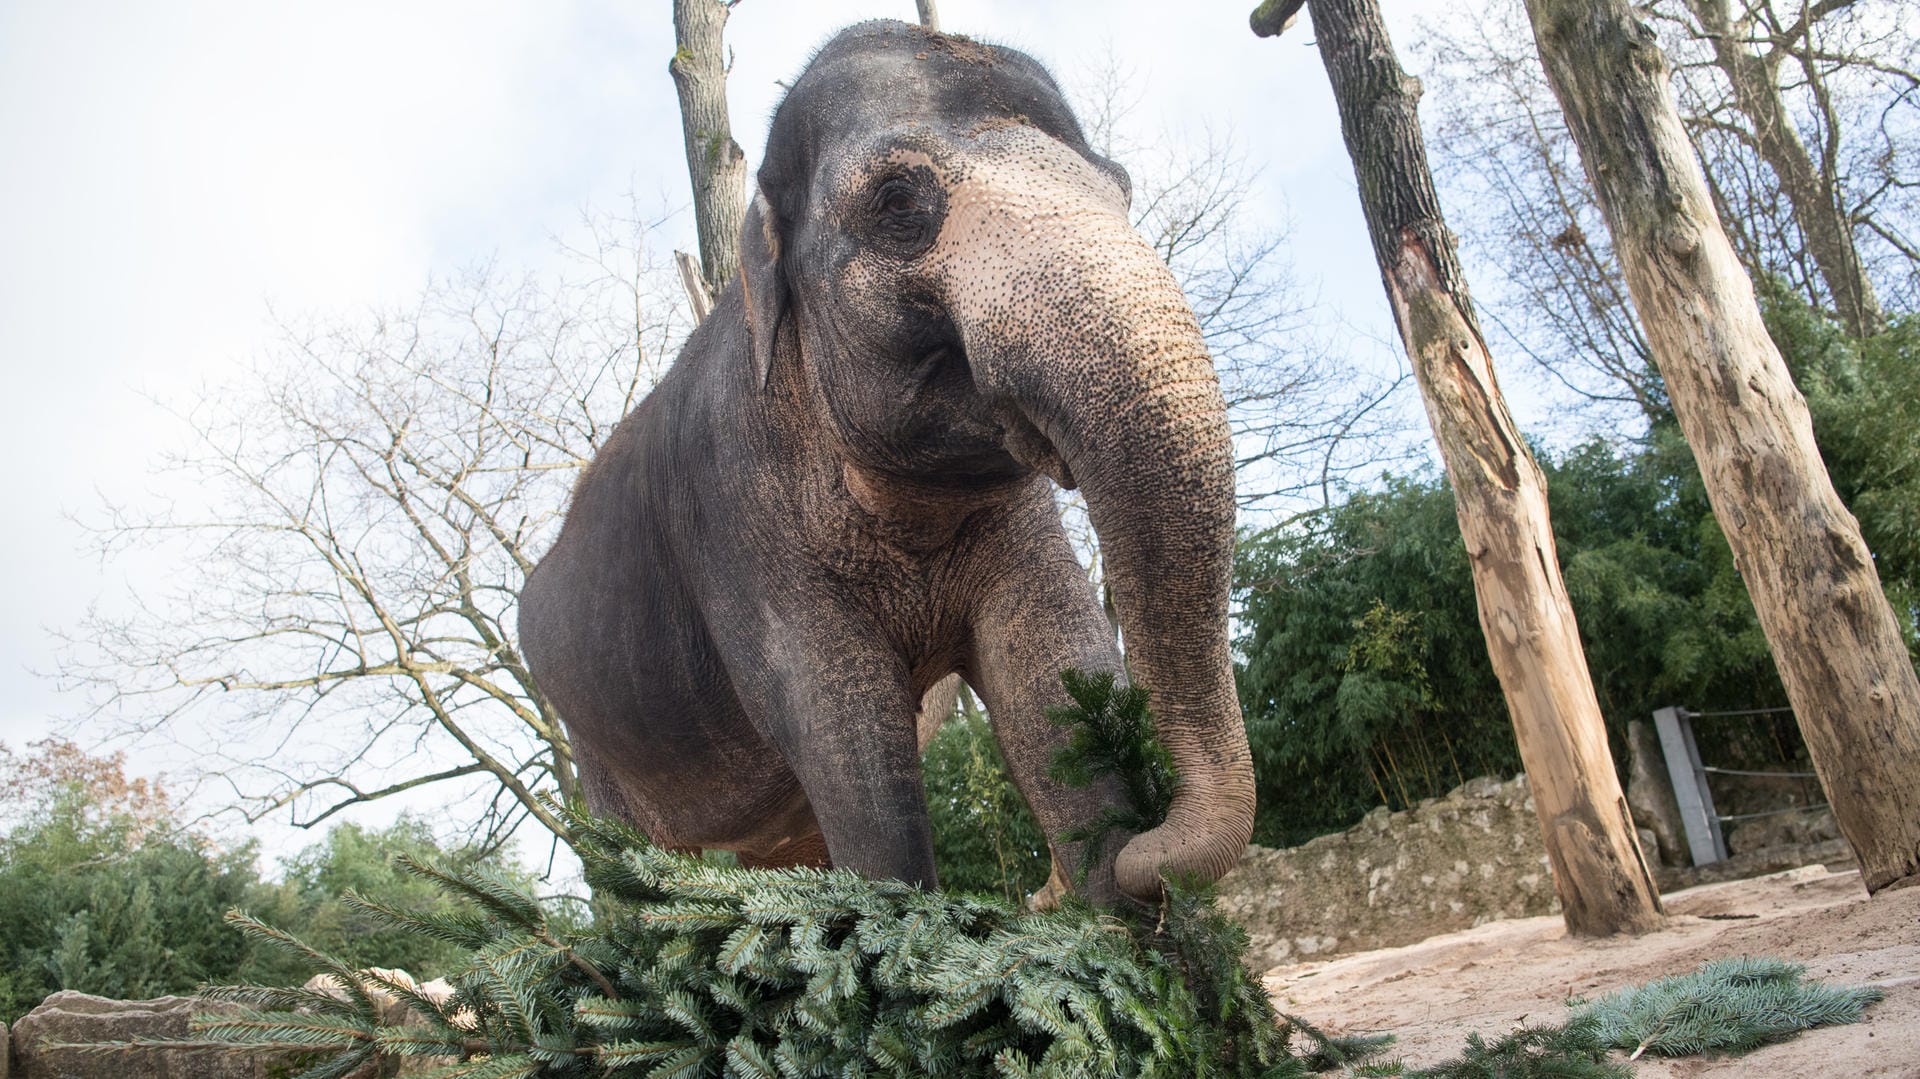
pixel 1042 620
pixel 837 703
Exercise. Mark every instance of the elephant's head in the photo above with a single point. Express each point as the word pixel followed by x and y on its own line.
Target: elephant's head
pixel 970 302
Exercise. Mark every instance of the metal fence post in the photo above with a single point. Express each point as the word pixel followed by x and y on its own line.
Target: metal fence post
pixel 1704 841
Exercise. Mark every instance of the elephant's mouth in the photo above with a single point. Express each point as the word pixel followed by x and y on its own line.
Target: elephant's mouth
pixel 1005 422
pixel 1028 446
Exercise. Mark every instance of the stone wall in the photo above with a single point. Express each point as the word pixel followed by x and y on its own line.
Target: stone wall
pixel 1450 863
pixel 1472 857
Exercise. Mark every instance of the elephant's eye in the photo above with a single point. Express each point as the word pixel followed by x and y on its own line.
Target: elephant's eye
pixel 895 197
pixel 902 213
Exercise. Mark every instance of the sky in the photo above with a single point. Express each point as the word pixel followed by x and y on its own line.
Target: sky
pixel 172 173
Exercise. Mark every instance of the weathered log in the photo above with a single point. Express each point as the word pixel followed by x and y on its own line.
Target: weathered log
pixel 1834 637
pixel 1500 495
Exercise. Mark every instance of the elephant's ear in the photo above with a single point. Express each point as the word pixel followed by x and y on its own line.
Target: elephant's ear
pixel 764 285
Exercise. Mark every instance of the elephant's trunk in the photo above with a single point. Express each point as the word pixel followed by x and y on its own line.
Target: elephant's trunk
pixel 1070 315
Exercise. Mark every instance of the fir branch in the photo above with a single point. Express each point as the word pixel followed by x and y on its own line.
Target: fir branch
pixel 1570 1051
pixel 1727 1005
pixel 1113 735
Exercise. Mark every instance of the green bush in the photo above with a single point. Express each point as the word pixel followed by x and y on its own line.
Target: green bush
pixel 100 893
pixel 1865 401
pixel 985 842
pixel 1364 672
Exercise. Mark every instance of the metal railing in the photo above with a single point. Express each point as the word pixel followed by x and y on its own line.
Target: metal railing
pixel 1706 842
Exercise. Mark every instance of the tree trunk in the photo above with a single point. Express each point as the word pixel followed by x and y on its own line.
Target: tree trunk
pixel 714 161
pixel 1500 495
pixel 1834 637
pixel 1818 204
pixel 929 14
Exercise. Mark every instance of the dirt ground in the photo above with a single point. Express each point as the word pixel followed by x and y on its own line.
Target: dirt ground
pixel 1487 979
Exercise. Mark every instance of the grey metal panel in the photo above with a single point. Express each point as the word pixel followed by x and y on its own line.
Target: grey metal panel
pixel 1704 841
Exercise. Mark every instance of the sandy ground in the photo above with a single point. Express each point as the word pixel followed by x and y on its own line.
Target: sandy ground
pixel 1487 979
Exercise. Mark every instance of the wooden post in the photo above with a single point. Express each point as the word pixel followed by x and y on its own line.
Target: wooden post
pixel 1499 493
pixel 1835 640
pixel 715 163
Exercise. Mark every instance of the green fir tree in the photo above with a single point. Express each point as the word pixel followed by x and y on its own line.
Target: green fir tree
pixel 694 969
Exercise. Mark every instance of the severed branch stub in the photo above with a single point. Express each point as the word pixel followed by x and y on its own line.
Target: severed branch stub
pixel 716 165
pixel 695 284
pixel 1275 17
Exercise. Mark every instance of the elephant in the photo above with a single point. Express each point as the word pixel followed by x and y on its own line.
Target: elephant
pixel 841 493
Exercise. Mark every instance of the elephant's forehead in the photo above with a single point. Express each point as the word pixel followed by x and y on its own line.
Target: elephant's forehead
pixel 999 158
pixel 1038 221
pixel 1024 178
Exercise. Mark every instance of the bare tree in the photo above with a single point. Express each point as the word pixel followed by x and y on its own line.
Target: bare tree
pixel 1835 640
pixel 715 163
pixel 929 14
pixel 1843 87
pixel 1499 493
pixel 373 495
pixel 1749 47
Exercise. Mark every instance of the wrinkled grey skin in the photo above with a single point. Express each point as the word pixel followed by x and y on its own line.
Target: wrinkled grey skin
pixel 840 493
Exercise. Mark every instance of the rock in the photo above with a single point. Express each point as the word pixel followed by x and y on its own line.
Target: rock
pixel 439 991
pixel 69 1017
pixel 1832 854
pixel 393 1010
pixel 1650 797
pixel 421 1065
pixel 1649 845
pixel 1478 787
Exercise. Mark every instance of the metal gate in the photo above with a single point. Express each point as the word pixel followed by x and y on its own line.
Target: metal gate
pixel 1705 840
